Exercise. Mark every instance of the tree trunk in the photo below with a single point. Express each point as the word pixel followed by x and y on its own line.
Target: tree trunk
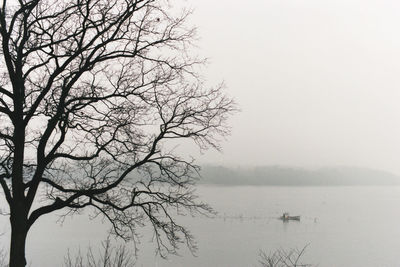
pixel 19 231
pixel 18 205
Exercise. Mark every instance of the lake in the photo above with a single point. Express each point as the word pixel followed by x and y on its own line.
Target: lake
pixel 342 226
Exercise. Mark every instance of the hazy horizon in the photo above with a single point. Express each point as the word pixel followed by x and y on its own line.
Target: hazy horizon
pixel 274 175
pixel 317 81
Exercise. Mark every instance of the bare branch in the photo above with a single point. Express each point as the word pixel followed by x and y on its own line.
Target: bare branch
pixel 95 94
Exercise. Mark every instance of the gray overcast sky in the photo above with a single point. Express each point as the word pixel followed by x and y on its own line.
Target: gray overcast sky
pixel 318 81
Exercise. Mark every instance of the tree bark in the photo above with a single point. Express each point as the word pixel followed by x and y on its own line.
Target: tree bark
pixel 19 231
pixel 18 207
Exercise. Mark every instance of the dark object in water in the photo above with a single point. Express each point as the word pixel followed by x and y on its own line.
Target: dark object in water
pixel 287 217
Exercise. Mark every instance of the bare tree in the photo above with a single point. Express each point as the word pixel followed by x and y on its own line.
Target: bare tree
pixel 92 92
pixel 283 258
pixel 110 256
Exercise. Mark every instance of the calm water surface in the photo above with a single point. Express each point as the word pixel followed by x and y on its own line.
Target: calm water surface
pixel 342 226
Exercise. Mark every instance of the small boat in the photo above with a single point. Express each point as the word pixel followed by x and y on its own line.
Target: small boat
pixel 287 217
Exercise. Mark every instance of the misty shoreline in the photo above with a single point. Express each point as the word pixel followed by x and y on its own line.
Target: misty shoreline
pixel 289 176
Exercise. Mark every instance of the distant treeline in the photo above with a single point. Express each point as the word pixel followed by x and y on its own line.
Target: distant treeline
pixel 287 176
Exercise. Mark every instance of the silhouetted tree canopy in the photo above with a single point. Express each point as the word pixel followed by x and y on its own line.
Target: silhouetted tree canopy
pixel 91 94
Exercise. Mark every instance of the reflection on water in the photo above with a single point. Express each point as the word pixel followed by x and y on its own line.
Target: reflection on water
pixel 344 226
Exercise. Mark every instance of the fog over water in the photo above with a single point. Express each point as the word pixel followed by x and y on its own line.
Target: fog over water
pixel 317 81
pixel 343 226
